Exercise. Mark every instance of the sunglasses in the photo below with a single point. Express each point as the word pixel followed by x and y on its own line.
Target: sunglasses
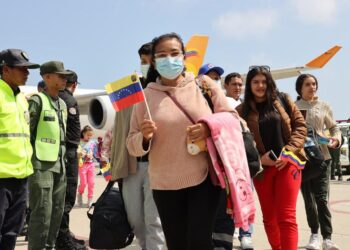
pixel 260 67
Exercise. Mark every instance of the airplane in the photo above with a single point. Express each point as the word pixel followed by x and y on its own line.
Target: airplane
pixel 96 108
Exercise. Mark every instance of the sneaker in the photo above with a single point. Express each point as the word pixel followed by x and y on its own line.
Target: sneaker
pixel 314 242
pixel 340 178
pixel 80 200
pixel 89 204
pixel 329 245
pixel 236 233
pixel 247 243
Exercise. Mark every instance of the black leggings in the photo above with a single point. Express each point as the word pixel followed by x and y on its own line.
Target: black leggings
pixel 188 215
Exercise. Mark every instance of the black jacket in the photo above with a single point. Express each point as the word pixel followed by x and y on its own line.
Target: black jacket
pixel 73 122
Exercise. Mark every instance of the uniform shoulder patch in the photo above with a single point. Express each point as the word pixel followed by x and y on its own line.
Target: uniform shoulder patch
pixel 72 111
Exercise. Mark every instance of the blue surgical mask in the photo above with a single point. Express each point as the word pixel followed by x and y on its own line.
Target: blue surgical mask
pixel 170 67
pixel 144 69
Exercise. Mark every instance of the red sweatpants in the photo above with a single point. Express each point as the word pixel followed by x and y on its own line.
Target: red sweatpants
pixel 278 192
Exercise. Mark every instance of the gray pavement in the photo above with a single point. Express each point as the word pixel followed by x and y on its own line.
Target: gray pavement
pixel 339 203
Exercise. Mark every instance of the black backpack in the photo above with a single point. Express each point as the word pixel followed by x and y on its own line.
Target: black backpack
pixel 109 226
pixel 315 163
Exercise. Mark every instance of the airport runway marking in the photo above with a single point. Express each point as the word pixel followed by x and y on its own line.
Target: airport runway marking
pixel 342 203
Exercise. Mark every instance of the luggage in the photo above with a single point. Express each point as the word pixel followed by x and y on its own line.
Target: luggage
pixel 109 226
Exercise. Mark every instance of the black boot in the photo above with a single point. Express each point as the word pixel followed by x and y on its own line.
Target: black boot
pixel 65 242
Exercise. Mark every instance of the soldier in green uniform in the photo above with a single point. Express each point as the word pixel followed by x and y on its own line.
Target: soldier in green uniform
pixel 47 186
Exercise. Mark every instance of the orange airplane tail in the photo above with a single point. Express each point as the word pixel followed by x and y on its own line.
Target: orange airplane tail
pixel 321 60
pixel 195 52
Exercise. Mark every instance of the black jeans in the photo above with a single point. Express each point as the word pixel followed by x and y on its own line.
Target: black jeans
pixel 13 197
pixel 336 166
pixel 224 226
pixel 188 215
pixel 71 191
pixel 316 193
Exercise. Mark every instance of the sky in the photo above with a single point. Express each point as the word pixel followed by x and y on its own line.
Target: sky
pixel 99 39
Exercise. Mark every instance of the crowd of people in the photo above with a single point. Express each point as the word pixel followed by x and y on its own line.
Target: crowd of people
pixel 170 195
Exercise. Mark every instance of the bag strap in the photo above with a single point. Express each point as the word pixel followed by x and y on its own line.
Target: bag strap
pixel 206 92
pixel 180 107
pixel 282 99
pixel 103 195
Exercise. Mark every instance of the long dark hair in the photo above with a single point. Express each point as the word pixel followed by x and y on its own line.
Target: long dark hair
pixel 152 72
pixel 300 81
pixel 271 89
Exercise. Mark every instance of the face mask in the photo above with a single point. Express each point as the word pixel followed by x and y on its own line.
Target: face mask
pixel 144 69
pixel 170 67
pixel 218 82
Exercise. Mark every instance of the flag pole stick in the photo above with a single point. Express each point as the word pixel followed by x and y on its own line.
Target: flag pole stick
pixel 149 113
pixel 146 103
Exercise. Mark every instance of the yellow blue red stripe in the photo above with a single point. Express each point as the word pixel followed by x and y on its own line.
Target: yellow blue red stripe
pixel 292 158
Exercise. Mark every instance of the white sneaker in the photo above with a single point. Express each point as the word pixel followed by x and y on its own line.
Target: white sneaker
pixel 236 233
pixel 314 242
pixel 80 200
pixel 89 203
pixel 247 243
pixel 329 245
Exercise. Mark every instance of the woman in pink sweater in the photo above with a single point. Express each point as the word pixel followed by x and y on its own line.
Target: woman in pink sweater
pixel 185 197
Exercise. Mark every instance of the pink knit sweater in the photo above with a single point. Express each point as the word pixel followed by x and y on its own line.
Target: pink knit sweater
pixel 171 167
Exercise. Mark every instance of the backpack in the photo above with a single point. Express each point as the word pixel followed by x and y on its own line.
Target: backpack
pixel 315 163
pixel 109 226
pixel 252 153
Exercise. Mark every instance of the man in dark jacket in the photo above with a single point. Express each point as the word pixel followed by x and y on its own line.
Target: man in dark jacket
pixel 66 239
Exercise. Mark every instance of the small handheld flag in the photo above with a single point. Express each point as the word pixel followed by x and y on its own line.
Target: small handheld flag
pixel 292 158
pixel 125 92
pixel 106 172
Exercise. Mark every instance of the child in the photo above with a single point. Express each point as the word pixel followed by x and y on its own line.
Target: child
pixel 87 168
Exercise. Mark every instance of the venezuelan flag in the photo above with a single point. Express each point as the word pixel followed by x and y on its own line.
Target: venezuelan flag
pixel 292 158
pixel 125 92
pixel 106 172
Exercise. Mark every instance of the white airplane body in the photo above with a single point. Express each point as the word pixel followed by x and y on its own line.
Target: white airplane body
pixel 97 110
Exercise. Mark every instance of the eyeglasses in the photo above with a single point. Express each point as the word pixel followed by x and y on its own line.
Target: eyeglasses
pixel 260 67
pixel 163 54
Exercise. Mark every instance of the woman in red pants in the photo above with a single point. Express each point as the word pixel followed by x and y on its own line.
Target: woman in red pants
pixel 277 125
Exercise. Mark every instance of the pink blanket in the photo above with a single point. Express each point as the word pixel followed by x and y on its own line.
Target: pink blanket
pixel 227 152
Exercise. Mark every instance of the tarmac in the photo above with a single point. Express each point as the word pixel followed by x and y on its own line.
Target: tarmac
pixel 339 204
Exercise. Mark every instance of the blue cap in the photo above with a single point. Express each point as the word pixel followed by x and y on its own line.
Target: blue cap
pixel 210 67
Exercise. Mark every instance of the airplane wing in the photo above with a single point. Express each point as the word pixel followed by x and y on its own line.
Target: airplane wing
pixel 316 63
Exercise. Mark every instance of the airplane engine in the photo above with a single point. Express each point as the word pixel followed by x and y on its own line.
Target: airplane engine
pixel 101 113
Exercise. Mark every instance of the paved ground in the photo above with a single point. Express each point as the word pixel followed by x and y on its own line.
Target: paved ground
pixel 339 203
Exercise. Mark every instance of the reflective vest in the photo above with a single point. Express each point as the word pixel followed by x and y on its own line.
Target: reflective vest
pixel 15 148
pixel 48 137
